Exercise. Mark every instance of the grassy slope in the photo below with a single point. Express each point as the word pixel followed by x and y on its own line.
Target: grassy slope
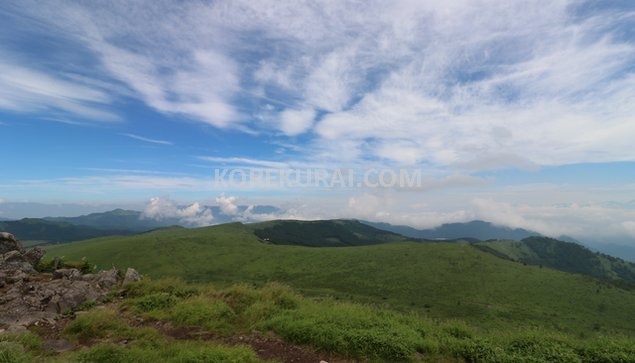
pixel 439 280
pixel 209 322
pixel 327 233
pixel 564 256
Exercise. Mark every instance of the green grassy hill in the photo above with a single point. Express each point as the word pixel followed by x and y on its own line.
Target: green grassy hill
pixel 564 256
pixel 327 233
pixel 439 280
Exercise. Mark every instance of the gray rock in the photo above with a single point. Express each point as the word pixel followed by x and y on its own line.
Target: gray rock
pixel 131 276
pixel 28 297
pixel 107 279
pixel 15 261
pixel 8 243
pixel 34 255
pixel 67 273
pixel 16 277
pixel 14 256
pixel 58 346
pixel 73 295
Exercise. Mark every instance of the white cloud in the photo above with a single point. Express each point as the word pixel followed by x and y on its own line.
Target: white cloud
pixel 244 161
pixel 469 84
pixel 366 206
pixel 164 208
pixel 29 90
pixel 227 205
pixel 146 139
pixel 584 221
pixel 295 122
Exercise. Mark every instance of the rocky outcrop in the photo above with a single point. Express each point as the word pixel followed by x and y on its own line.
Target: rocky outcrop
pixel 27 296
pixel 8 243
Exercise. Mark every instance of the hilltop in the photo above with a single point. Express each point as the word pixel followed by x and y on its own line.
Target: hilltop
pixel 326 233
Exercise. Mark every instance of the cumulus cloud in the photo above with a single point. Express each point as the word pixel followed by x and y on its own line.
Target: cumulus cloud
pixel 162 208
pixel 227 204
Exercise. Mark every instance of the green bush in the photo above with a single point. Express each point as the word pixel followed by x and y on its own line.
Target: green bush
pixel 181 352
pixel 48 265
pixel 11 352
pixel 353 330
pixel 203 312
pixel 607 350
pixel 533 347
pixel 109 353
pixel 28 340
pixel 195 352
pixel 99 323
pixel 240 297
pixel 171 286
pixel 153 301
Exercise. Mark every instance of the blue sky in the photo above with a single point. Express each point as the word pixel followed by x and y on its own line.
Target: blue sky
pixel 520 112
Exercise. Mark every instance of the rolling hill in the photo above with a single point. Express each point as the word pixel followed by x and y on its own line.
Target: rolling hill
pixel 563 256
pixel 326 233
pixel 438 280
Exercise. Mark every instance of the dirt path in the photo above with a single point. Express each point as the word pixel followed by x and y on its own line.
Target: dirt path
pixel 266 346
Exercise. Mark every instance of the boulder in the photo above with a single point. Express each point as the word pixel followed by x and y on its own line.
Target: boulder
pixel 14 257
pixel 131 276
pixel 34 255
pixel 13 261
pixel 8 243
pixel 67 273
pixel 107 279
pixel 72 295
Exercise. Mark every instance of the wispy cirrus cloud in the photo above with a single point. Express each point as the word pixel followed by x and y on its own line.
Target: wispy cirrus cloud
pixel 245 161
pixel 147 139
pixel 28 90
pixel 466 85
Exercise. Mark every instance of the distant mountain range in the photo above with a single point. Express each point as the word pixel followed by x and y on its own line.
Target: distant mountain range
pixel 33 231
pixel 135 220
pixel 475 229
pixel 122 219
pixel 485 231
